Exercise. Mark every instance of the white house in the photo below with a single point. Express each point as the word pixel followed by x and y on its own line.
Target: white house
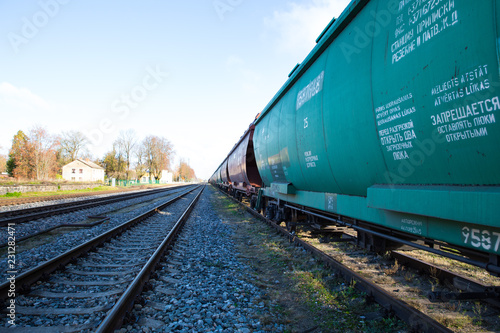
pixel 83 171
pixel 166 177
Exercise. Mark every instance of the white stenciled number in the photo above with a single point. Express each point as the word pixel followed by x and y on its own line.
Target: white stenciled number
pixel 486 241
pixel 306 123
pixel 497 244
pixel 465 233
pixel 476 240
pixel 481 238
pixel 330 203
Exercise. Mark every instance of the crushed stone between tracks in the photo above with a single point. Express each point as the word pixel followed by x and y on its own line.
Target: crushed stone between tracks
pixel 230 273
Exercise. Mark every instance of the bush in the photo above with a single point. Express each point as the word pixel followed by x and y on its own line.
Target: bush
pixel 13 194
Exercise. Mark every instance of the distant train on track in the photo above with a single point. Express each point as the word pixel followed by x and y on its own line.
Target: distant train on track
pixel 388 125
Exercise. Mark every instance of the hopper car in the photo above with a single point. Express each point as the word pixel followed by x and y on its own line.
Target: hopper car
pixel 388 126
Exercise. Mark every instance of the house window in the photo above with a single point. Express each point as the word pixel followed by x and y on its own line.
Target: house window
pixel 73 170
pixel 81 170
pixel 80 178
pixel 72 178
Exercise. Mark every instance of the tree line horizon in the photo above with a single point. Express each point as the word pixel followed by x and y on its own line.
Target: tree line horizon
pixel 39 155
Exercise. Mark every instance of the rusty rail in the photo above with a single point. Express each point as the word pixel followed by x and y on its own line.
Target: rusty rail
pixel 26 279
pixel 417 320
pixel 115 316
pixel 30 214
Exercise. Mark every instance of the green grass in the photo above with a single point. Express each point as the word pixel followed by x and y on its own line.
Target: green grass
pixel 44 194
pixel 13 195
pixel 302 292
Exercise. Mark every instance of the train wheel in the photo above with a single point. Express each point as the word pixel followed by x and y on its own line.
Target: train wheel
pixel 266 212
pixel 253 202
pixel 291 226
pixel 270 212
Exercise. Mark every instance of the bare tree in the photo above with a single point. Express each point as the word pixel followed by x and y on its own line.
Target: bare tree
pixel 140 167
pixel 185 172
pixel 72 145
pixel 3 163
pixel 44 153
pixel 125 145
pixel 158 153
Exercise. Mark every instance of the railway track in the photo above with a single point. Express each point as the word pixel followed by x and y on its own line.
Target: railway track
pixel 44 239
pixel 448 286
pixel 30 214
pixel 28 200
pixel 97 282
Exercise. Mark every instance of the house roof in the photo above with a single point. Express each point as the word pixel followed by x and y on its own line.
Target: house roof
pixel 87 163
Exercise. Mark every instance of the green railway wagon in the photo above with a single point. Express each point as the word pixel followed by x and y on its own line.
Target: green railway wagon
pixel 391 119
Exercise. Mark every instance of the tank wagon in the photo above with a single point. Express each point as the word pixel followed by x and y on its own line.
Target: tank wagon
pixel 389 125
pixel 238 174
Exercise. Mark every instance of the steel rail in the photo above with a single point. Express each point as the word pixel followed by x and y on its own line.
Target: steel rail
pixel 472 289
pixel 115 316
pixel 34 213
pixel 50 206
pixel 64 225
pixel 417 320
pixel 122 195
pixel 27 200
pixel 487 266
pixel 25 280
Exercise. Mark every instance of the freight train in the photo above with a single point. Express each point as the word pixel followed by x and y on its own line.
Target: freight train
pixel 388 126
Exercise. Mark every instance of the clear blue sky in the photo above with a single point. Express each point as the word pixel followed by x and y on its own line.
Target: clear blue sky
pixel 194 72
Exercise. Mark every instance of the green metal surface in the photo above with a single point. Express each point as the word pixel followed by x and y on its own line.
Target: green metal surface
pixel 436 97
pixel 466 204
pixel 352 144
pixel 284 188
pixel 362 114
pixel 392 119
pixel 287 131
pixel 477 236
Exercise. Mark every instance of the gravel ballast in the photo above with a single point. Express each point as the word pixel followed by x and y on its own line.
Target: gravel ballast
pixel 203 286
pixel 229 272
pixel 34 256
